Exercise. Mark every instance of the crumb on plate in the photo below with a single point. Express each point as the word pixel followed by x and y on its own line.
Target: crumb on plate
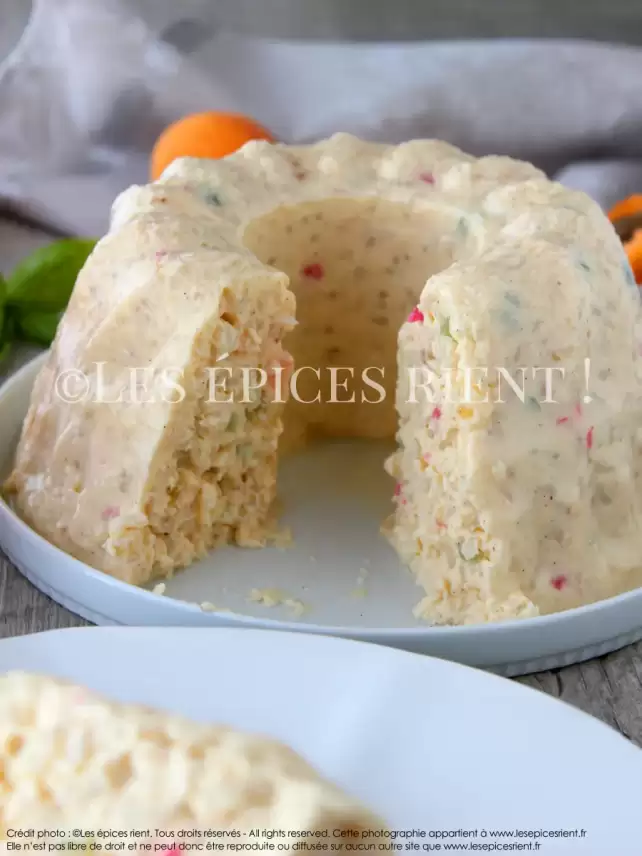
pixel 275 597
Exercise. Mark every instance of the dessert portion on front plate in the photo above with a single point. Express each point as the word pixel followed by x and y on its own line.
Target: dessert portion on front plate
pixel 72 760
pixel 240 290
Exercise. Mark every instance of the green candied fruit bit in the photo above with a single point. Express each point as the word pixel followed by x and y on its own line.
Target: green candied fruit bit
pixel 507 318
pixel 474 560
pixel 462 228
pixel 534 403
pixel 584 265
pixel 512 298
pixel 213 198
pixel 445 329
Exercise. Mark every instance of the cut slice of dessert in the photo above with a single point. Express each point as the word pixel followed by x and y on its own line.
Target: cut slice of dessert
pixel 74 762
pixel 150 438
pixel 519 399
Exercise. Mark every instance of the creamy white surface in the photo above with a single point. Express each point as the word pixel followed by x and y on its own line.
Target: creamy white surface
pixel 74 760
pixel 502 512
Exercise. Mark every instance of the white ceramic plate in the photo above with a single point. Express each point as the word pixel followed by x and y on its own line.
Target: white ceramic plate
pixel 340 568
pixel 427 744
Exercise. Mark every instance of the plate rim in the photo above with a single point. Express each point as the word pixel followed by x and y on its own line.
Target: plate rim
pixel 425 661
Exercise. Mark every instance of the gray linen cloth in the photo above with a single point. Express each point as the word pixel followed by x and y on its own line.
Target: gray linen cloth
pixel 90 85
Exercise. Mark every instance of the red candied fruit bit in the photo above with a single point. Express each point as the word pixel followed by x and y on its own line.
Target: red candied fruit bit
pixel 441 524
pixel 313 271
pixel 436 414
pixel 589 438
pixel 109 512
pixel 578 409
pixel 398 492
pixel 299 172
pixel 559 582
pixel 427 177
pixel 562 420
pixel 416 315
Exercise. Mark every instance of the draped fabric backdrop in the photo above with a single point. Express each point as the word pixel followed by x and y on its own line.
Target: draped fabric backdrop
pixel 90 85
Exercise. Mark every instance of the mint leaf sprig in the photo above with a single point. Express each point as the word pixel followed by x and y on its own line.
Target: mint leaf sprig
pixel 35 295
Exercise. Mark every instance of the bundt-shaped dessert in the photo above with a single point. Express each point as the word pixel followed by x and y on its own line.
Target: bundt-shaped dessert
pixel 469 305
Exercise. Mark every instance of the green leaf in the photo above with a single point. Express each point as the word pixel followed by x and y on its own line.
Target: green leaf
pixel 9 325
pixel 45 279
pixel 39 327
pixel 6 324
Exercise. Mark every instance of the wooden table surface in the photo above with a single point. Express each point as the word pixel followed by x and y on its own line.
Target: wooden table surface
pixel 609 688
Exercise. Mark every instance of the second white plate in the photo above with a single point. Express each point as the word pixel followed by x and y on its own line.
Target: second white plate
pixel 340 571
pixel 458 756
